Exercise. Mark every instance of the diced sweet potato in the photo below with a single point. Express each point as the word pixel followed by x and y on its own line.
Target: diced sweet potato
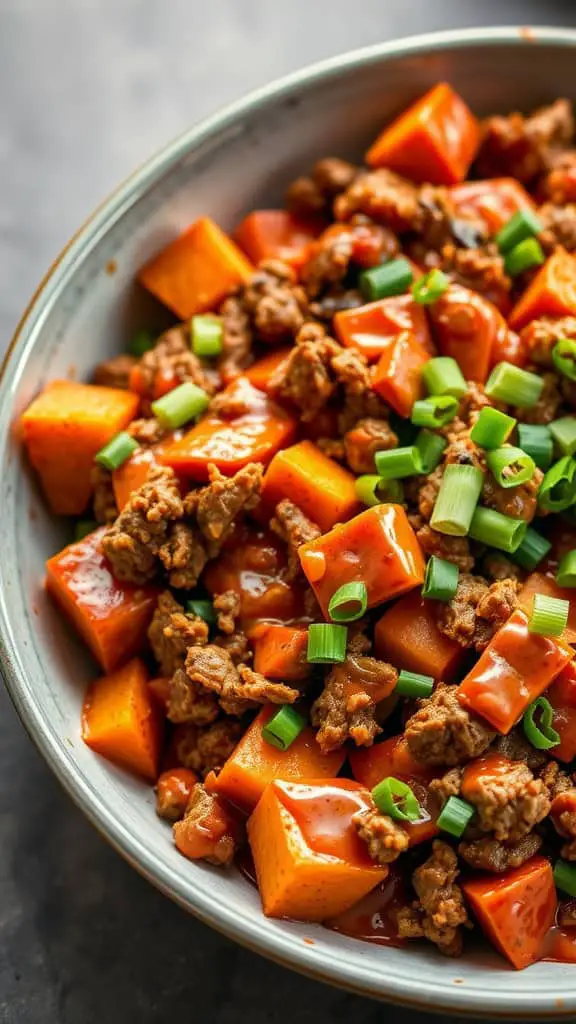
pixel 260 373
pixel 391 757
pixel 562 696
pixel 63 429
pixel 552 292
pixel 493 201
pixel 121 721
pixel 276 234
pixel 280 653
pixel 322 489
pixel 408 637
pixel 310 863
pixel 371 328
pixel 398 375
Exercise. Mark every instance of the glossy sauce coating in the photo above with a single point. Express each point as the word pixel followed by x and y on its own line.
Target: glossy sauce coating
pixel 324 816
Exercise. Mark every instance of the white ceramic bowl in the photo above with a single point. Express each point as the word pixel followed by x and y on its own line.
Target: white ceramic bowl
pixel 84 311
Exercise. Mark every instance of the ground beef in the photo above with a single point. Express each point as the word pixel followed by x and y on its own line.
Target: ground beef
pixel 559 227
pixel 205 748
pixel 227 607
pixel 183 556
pixel 346 708
pixel 173 791
pixel 236 645
pixel 306 378
pixel 540 336
pixel 385 197
pixel 477 610
pixel 171 632
pixel 482 270
pixel 443 732
pixel 555 779
pixel 516 747
pixel 452 549
pixel 188 703
pixel 103 498
pixel 492 855
pixel 275 302
pixel 463 452
pixel 333 447
pixel 524 147
pixel 559 185
pixel 208 815
pixel 360 242
pixel 497 566
pixel 563 812
pixel 336 300
pixel 508 804
pixel 115 372
pixel 132 543
pixel 173 358
pixel 516 502
pixel 238 688
pixel 385 838
pixel 236 353
pixel 147 432
pixel 217 506
pixel 546 408
pixel 295 529
pixel 364 440
pixel 309 196
pixel 440 911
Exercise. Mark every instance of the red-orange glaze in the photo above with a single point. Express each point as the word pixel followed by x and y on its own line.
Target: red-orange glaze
pixel 562 696
pixel 492 202
pixel 560 941
pixel 324 816
pixel 469 329
pixel 374 918
pixel 371 328
pixel 398 374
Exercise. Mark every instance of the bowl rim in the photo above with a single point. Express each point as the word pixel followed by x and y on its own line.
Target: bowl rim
pixel 409 990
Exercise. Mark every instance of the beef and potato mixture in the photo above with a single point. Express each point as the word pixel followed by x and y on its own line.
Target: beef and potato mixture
pixel 325 542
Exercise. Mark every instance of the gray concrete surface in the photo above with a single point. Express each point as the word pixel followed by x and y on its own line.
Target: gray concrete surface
pixel 88 88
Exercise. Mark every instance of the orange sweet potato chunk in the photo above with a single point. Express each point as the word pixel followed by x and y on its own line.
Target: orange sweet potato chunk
pixel 121 720
pixel 552 292
pixel 310 863
pixel 197 270
pixel 276 234
pixel 63 429
pixel 408 637
pixel 320 487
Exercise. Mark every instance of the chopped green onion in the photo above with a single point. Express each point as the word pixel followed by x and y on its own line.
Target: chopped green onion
pixel 532 550
pixel 566 572
pixel 455 816
pixel 326 643
pixel 203 609
pixel 443 376
pixel 431 447
pixel 523 224
pixel 564 357
pixel 434 411
pixel 492 428
pixel 510 466
pixel 558 488
pixel 397 463
pixel 460 489
pixel 549 615
pixel 565 877
pixel 524 256
pixel 206 334
pixel 441 579
pixel 392 278
pixel 179 406
pixel 348 603
pixel 536 440
pixel 283 728
pixel 83 527
pixel 430 287
pixel 563 431
pixel 396 799
pixel 411 684
pixel 120 448
pixel 140 343
pixel 508 383
pixel 541 736
pixel 497 531
pixel 371 489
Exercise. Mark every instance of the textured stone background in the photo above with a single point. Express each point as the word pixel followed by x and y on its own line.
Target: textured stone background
pixel 89 88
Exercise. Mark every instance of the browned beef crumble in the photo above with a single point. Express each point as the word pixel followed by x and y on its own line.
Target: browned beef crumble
pixel 540 337
pixel 559 227
pixel 134 540
pixel 205 748
pixel 524 147
pixel 492 855
pixel 477 610
pixel 236 645
pixel 115 372
pixel 439 912
pixel 227 608
pixel 184 556
pixel 346 708
pixel 385 838
pixel 275 302
pixel 548 405
pixel 238 688
pixel 443 732
pixel 295 529
pixel 516 502
pixel 217 506
pixel 481 269
pixel 516 747
pixel 147 432
pixel 204 809
pixel 310 196
pixel 452 549
pixel 172 632
pixel 563 817
pixel 188 703
pixel 236 353
pixel 364 440
pixel 172 356
pixel 103 498
pixel 511 804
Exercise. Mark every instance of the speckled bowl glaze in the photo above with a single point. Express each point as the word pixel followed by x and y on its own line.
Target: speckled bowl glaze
pixel 84 311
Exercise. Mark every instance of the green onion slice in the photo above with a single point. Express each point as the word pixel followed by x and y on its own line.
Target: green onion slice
pixel 558 488
pixel 283 728
pixel 564 357
pixel 566 573
pixel 441 579
pixel 541 736
pixel 434 411
pixel 536 440
pixel 510 466
pixel 397 463
pixel 496 530
pixel 392 278
pixel 348 603
pixel 532 550
pixel 457 498
pixel 510 384
pixel 411 684
pixel 181 405
pixel 203 609
pixel 455 816
pixel 523 224
pixel 563 431
pixel 326 643
pixel 396 799
pixel 492 428
pixel 549 615
pixel 443 376
pixel 207 335
pixel 524 256
pixel 430 287
pixel 140 343
pixel 565 877
pixel 84 527
pixel 371 489
pixel 113 454
pixel 431 447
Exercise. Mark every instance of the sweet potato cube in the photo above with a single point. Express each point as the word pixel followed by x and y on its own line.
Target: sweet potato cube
pixel 408 637
pixel 280 653
pixel 310 863
pixel 319 486
pixel 552 292
pixel 371 328
pixel 276 234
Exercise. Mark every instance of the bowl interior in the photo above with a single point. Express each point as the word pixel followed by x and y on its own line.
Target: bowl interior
pixel 86 311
